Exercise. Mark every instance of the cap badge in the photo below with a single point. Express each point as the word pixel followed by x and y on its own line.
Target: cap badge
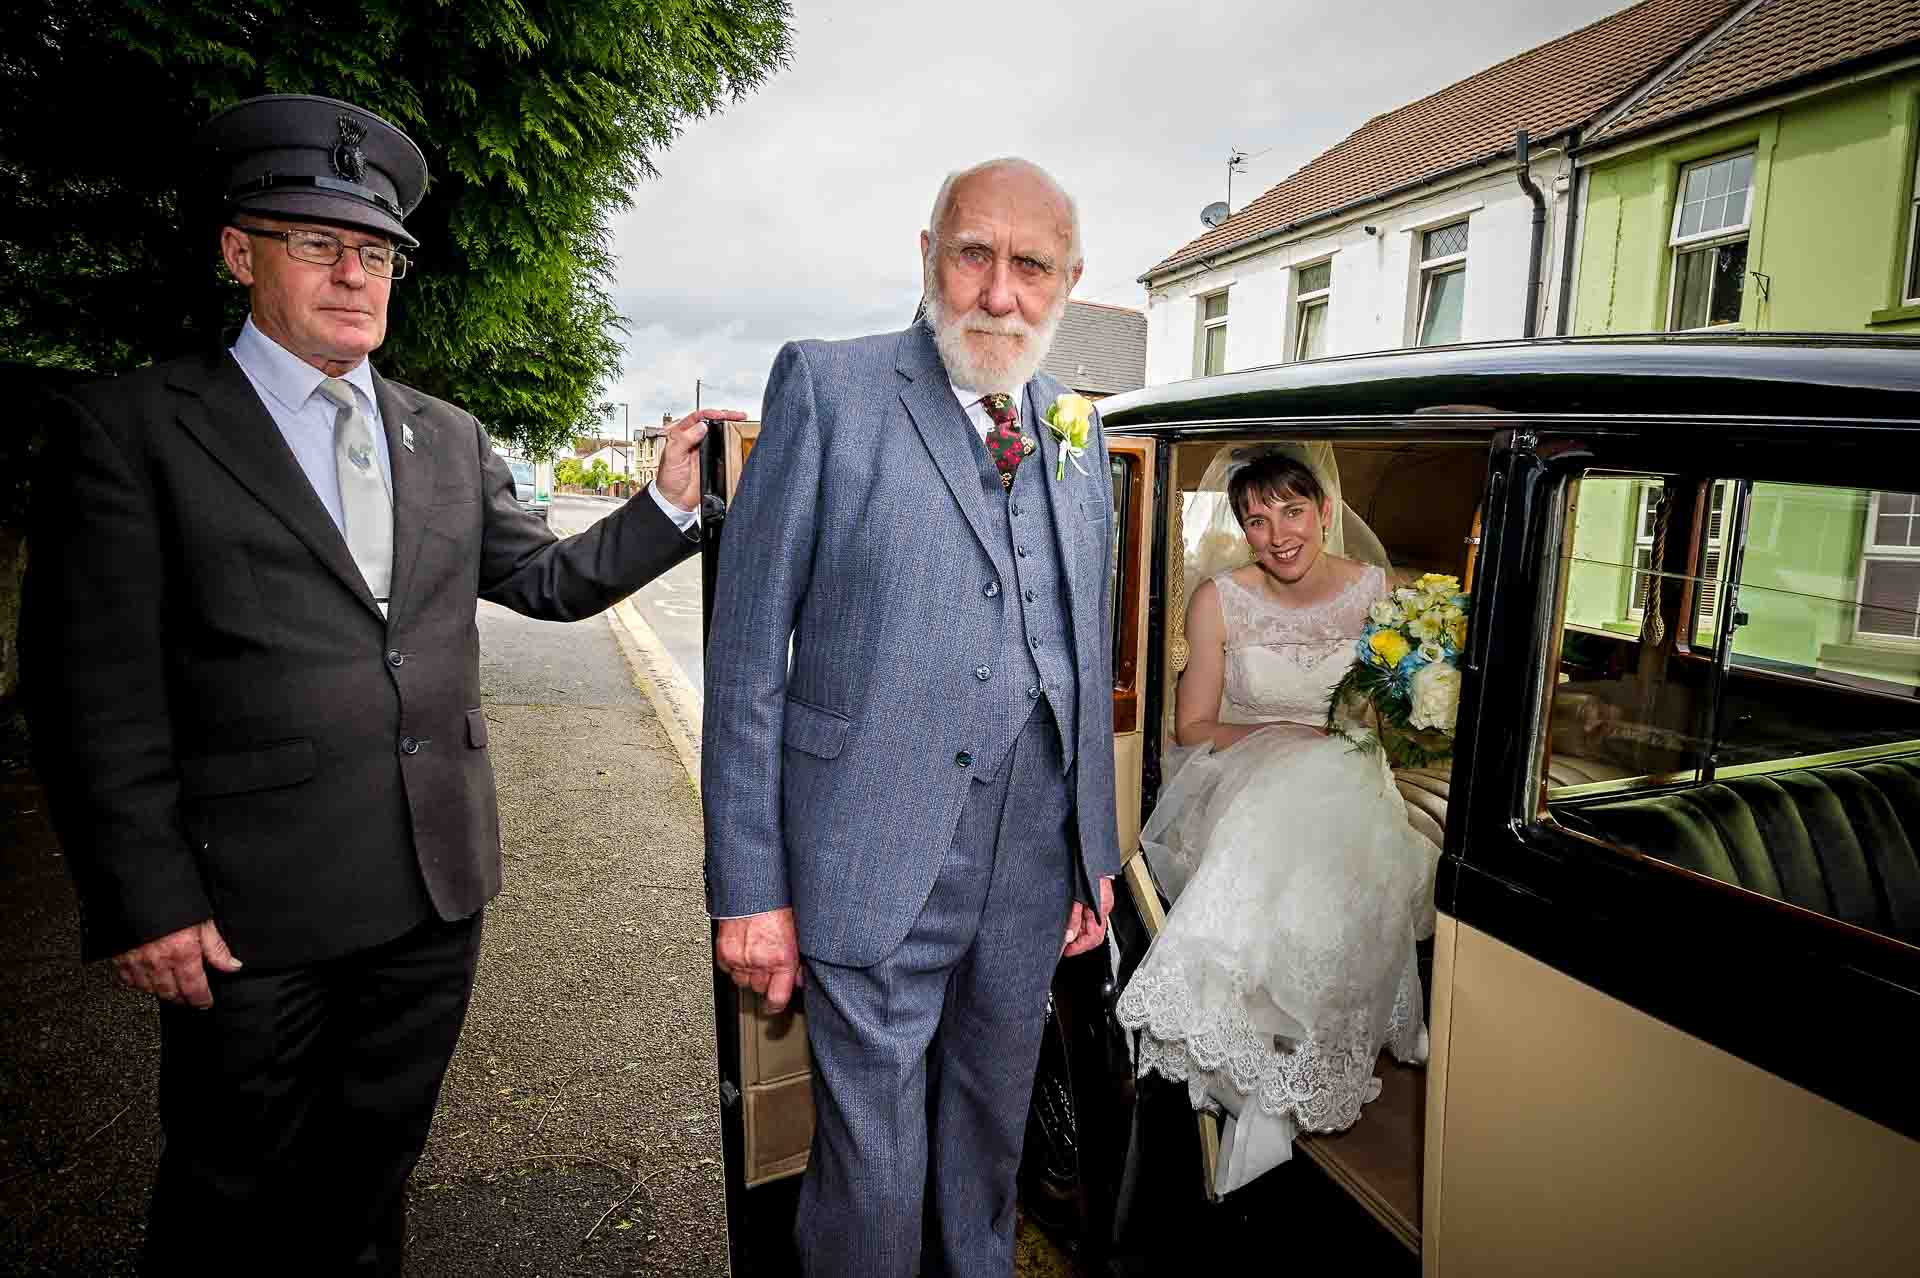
pixel 349 161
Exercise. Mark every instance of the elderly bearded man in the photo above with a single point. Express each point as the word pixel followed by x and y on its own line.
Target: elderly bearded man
pixel 915 809
pixel 255 696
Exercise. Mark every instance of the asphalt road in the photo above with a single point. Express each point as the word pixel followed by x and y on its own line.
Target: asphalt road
pixel 670 604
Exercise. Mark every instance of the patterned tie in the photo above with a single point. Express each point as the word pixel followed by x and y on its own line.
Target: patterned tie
pixel 364 502
pixel 1005 444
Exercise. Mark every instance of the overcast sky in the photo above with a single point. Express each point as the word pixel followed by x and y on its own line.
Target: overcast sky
pixel 796 213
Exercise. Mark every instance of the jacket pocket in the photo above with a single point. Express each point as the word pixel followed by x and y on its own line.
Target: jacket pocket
pixel 268 767
pixel 815 731
pixel 477 729
pixel 1095 510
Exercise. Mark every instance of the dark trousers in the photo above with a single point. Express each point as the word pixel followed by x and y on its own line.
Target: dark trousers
pixel 924 1062
pixel 295 1108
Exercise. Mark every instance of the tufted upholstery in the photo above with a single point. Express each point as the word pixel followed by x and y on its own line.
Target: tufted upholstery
pixel 1839 840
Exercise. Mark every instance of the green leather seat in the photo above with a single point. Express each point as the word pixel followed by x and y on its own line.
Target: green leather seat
pixel 1839 840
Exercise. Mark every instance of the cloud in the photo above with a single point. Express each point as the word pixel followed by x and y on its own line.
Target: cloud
pixel 796 212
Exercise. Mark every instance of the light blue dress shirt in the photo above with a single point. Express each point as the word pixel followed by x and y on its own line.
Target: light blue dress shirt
pixel 290 389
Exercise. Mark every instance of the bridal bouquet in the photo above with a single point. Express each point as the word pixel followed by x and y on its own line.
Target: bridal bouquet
pixel 1408 670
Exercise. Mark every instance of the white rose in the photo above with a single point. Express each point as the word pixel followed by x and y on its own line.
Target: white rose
pixel 1436 697
pixel 1384 613
pixel 1423 628
pixel 1432 651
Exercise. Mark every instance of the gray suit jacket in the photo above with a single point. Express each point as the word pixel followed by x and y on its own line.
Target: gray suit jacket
pixel 834 784
pixel 225 723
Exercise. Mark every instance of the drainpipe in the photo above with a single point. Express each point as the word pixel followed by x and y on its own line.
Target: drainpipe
pixel 1576 182
pixel 1532 326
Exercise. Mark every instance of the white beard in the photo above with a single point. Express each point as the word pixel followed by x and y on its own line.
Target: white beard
pixel 1001 373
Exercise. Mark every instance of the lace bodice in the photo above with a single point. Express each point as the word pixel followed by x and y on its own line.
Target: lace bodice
pixel 1282 663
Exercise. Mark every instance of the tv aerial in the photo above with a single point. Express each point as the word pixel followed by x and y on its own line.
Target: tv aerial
pixel 1214 214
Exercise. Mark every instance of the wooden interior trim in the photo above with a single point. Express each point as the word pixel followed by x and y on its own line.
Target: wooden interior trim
pixel 1132 583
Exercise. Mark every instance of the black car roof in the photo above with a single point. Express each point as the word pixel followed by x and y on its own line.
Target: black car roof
pixel 1796 376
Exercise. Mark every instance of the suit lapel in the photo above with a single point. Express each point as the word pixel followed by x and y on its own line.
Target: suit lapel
pixel 410 453
pixel 226 416
pixel 937 415
pixel 1059 495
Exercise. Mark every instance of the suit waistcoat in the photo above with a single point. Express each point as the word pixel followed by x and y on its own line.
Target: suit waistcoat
pixel 1037 659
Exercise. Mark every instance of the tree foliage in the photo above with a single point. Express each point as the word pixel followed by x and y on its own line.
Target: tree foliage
pixel 537 120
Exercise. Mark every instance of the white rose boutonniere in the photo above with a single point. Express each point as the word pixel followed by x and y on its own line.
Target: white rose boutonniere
pixel 1070 419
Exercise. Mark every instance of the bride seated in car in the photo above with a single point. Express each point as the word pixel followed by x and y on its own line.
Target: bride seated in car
pixel 1299 888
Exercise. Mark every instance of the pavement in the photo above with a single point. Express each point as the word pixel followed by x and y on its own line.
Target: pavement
pixel 578 1131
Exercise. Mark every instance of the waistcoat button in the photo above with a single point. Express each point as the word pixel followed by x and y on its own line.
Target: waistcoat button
pixel 992 590
pixel 1033 694
pixel 982 673
pixel 409 745
pixel 396 659
pixel 964 759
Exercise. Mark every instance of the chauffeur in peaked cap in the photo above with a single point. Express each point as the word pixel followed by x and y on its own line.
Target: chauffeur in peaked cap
pixel 298 156
pixel 252 675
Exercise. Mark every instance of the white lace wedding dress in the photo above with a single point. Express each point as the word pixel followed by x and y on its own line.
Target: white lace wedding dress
pixel 1287 960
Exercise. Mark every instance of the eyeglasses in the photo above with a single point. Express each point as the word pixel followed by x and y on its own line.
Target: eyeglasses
pixel 325 250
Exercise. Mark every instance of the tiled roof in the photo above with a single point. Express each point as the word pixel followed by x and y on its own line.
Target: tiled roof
pixel 1776 42
pixel 1545 91
pixel 1099 349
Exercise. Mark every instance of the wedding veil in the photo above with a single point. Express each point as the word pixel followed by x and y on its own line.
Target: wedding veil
pixel 1214 541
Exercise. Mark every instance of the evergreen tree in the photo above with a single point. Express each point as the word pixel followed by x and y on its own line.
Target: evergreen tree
pixel 536 119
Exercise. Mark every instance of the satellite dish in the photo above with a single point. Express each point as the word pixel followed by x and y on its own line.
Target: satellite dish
pixel 1214 214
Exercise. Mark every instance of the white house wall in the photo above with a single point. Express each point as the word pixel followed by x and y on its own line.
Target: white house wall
pixel 1376 286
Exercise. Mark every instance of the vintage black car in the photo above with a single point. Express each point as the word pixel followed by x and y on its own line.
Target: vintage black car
pixel 1679 893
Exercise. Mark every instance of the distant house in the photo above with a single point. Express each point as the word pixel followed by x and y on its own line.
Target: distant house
pixel 1099 349
pixel 1415 229
pixel 614 452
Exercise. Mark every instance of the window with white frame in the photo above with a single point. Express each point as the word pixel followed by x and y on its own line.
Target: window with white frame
pixel 1911 293
pixel 1312 294
pixel 1443 283
pixel 1712 566
pixel 1709 242
pixel 1890 569
pixel 1211 357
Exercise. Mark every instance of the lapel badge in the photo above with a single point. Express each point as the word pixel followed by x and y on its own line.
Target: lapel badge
pixel 406 437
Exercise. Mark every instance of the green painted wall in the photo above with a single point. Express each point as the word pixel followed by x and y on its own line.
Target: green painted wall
pixel 1833 177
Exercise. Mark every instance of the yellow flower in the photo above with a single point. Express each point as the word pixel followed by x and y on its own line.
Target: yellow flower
pixel 1390 646
pixel 1457 633
pixel 1071 417
pixel 1436 583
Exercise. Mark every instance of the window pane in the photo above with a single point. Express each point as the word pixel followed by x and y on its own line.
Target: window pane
pixel 1216 306
pixel 1692 274
pixel 1216 361
pixel 1735 777
pixel 1896 503
pixel 1913 267
pixel 1445 241
pixel 1890 598
pixel 1729 283
pixel 1736 208
pixel 1696 190
pixel 1742 171
pixel 1313 331
pixel 1717 175
pixel 1317 277
pixel 1689 219
pixel 1440 317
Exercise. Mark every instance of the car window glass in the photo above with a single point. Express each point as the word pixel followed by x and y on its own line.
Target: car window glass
pixel 1736 687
